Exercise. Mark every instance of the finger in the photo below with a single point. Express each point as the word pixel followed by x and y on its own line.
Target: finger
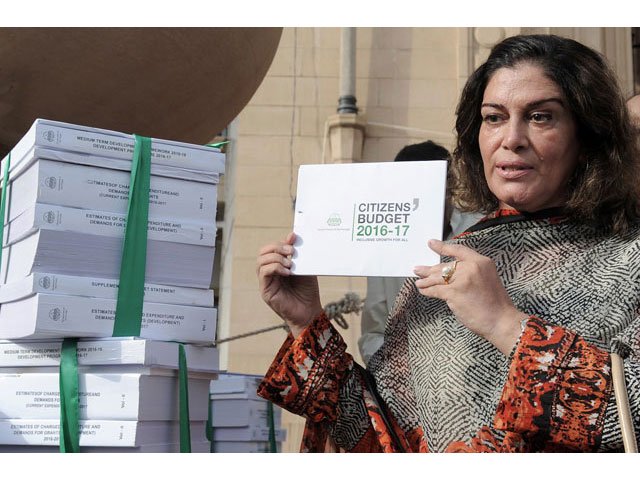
pixel 273 258
pixel 460 252
pixel 435 291
pixel 281 248
pixel 284 247
pixel 429 281
pixel 429 276
pixel 423 271
pixel 265 272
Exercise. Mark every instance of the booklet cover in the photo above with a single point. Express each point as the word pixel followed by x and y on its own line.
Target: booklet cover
pixel 231 385
pixel 43 316
pixel 95 222
pixel 368 219
pixel 41 282
pixel 242 413
pixel 116 353
pixel 109 143
pixel 107 189
pixel 99 433
pixel 102 396
pixel 98 256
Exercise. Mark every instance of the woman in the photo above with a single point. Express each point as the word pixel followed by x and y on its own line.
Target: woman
pixel 505 345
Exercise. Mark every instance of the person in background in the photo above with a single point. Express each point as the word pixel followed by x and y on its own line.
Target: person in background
pixel 504 346
pixel 382 291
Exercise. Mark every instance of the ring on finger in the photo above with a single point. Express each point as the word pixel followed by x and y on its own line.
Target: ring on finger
pixel 448 271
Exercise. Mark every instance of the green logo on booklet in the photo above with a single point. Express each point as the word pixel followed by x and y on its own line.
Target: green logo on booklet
pixel 334 220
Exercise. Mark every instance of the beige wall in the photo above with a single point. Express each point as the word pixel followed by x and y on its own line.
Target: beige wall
pixel 408 81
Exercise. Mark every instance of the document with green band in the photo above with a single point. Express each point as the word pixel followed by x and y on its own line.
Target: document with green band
pixel 69 403
pixel 134 253
pixel 3 200
pixel 185 428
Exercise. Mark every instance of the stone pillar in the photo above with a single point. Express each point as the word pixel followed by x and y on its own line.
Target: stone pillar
pixel 346 137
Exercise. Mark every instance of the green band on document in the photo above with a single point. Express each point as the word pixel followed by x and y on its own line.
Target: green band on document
pixel 3 201
pixel 209 428
pixel 134 252
pixel 69 404
pixel 185 427
pixel 272 429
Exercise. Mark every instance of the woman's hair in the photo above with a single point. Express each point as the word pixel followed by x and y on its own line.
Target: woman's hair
pixel 605 187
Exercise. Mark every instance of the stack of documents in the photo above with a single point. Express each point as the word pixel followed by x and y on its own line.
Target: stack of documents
pixel 66 209
pixel 51 306
pixel 128 394
pixel 67 200
pixel 240 419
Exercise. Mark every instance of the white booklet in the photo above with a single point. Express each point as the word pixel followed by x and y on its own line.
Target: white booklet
pixel 235 386
pixel 117 354
pixel 42 282
pixel 109 143
pixel 98 256
pixel 108 224
pixel 102 396
pixel 368 219
pixel 97 433
pixel 107 189
pixel 43 316
pixel 243 413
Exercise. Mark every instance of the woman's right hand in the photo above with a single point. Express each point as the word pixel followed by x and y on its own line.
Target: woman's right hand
pixel 295 298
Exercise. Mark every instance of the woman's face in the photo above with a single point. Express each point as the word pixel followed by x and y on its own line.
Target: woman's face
pixel 528 139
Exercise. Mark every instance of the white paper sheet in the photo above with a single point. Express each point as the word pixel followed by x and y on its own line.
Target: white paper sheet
pixel 368 219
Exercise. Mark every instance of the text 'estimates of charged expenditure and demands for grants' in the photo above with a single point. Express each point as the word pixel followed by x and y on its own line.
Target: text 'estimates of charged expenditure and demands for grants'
pixel 384 221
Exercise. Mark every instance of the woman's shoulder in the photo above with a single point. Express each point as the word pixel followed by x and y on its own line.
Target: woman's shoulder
pixel 508 219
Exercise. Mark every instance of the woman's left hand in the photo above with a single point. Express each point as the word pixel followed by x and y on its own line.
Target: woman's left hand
pixel 475 294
